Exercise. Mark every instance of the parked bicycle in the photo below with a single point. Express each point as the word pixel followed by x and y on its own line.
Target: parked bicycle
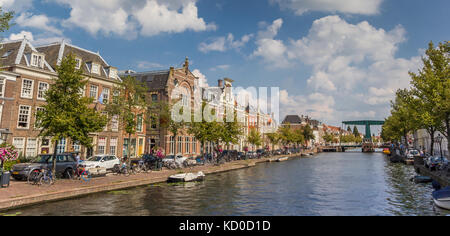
pixel 122 169
pixel 81 173
pixel 46 177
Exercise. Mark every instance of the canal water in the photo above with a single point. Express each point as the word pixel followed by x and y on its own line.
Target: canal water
pixel 326 184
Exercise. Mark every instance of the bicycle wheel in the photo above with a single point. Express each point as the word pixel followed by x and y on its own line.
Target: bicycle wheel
pixel 86 176
pixel 32 176
pixel 45 180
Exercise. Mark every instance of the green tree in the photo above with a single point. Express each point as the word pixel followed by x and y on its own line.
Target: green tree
pixel 231 131
pixel 254 137
pixel 432 87
pixel 67 113
pixel 308 133
pixel 274 139
pixel 355 131
pixel 287 136
pixel 299 138
pixel 129 101
pixel 328 138
pixel 5 20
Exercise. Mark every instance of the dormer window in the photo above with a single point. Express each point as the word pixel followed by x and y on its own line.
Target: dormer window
pixel 95 68
pixel 78 65
pixel 37 60
pixel 112 73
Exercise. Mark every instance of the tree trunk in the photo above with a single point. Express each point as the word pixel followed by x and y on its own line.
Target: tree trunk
pixel 54 160
pixel 128 150
pixel 431 132
pixel 447 124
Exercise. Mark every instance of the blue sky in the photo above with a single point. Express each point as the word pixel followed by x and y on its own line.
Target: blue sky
pixel 332 59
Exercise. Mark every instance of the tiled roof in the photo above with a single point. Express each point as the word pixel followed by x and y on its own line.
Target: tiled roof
pixel 56 51
pixel 19 53
pixel 292 119
pixel 155 80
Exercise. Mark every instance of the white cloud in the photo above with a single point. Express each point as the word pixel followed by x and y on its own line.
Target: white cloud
pixel 271 50
pixel 37 40
pixel 363 7
pixel 16 5
pixel 21 35
pixel 355 64
pixel 127 18
pixel 203 82
pixel 222 44
pixel 220 67
pixel 41 22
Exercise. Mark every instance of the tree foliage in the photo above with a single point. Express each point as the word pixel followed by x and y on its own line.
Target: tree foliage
pixel 67 113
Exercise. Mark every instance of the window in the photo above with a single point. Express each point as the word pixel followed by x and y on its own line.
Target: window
pixel 78 60
pixel 172 145
pixel 37 60
pixel 113 73
pixel 42 88
pixel 101 145
pixel 113 146
pixel 105 95
pixel 2 87
pixel 187 145
pixel 76 146
pixel 95 68
pixel 115 123
pixel 38 109
pixel 24 117
pixel 31 147
pixel 93 92
pixel 180 144
pixel 19 144
pixel 139 123
pixel 61 146
pixel 154 97
pixel 27 88
pixel 194 145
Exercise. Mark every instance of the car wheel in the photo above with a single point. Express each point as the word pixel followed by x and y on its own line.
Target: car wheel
pixel 69 173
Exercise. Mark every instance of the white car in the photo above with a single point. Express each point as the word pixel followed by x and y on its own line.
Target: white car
pixel 102 161
pixel 412 153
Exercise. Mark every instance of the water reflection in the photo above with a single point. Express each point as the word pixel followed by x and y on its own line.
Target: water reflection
pixel 329 184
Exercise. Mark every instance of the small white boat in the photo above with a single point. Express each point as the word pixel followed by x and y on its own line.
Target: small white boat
pixel 311 154
pixel 187 177
pixel 442 198
pixel 283 159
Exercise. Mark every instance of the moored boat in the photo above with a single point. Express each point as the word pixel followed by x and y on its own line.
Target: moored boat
pixel 283 159
pixel 442 198
pixel 187 177
pixel 422 179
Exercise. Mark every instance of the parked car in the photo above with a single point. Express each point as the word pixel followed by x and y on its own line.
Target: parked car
pixel 65 164
pixel 252 155
pixel 102 161
pixel 279 152
pixel 435 162
pixel 412 153
pixel 241 155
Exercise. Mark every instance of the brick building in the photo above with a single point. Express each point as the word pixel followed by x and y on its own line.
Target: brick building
pixel 28 73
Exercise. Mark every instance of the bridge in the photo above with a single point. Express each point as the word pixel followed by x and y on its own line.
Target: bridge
pixel 366 123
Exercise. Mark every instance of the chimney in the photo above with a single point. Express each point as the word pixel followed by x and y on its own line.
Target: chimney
pixel 220 83
pixel 171 71
pixel 186 65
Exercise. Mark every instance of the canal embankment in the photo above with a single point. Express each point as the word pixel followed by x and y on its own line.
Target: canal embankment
pixel 442 177
pixel 21 194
